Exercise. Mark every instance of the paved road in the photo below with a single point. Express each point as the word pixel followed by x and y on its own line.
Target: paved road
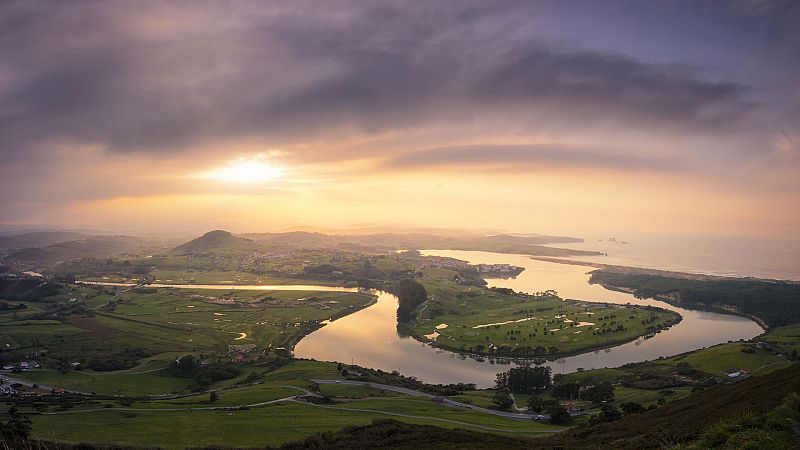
pixel 200 408
pixel 12 380
pixel 295 399
pixel 444 401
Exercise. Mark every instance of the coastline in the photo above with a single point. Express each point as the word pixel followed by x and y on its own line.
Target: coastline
pixel 722 308
pixel 657 272
pixel 697 306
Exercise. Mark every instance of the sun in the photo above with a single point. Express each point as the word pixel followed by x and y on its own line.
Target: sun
pixel 246 170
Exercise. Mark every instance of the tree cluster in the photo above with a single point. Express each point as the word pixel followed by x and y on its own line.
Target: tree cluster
pixel 410 295
pixel 525 379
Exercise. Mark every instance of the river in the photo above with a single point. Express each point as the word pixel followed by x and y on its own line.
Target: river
pixel 369 337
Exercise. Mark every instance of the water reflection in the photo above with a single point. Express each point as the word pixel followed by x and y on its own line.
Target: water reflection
pixel 369 337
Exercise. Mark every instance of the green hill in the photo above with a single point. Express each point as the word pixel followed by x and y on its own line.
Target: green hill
pixel 217 240
pixel 774 302
pixel 38 239
pixel 99 246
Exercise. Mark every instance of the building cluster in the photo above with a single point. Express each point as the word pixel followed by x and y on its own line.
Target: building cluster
pixel 497 268
pixel 7 388
pixel 23 365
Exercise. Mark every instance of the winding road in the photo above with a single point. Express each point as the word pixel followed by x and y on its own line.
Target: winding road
pixel 443 401
pixel 305 392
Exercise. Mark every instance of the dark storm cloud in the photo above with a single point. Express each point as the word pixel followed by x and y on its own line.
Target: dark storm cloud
pixel 112 74
pixel 524 157
pixel 613 86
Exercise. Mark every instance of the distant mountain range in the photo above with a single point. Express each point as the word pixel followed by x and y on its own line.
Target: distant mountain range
pixel 95 246
pixel 52 246
pixel 500 243
pixel 219 240
pixel 403 240
pixel 38 239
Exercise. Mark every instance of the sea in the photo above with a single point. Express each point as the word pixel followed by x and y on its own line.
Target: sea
pixel 777 259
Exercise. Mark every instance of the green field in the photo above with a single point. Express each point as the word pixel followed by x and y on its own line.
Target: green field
pixel 725 358
pixel 494 323
pixel 647 397
pixel 785 338
pixel 239 421
pixel 593 376
pixel 268 425
pixel 110 383
pixel 133 324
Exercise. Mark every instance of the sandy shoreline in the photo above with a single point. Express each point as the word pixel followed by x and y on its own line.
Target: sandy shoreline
pixel 659 272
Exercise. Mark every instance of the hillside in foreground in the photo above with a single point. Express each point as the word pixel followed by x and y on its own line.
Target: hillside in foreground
pixel 676 423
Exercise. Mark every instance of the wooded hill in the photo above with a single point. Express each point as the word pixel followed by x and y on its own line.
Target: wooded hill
pixel 775 302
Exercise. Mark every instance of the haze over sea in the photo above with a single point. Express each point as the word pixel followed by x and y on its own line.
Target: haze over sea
pixel 712 255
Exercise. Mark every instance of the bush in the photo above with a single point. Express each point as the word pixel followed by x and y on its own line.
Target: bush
pixel 559 415
pixel 502 400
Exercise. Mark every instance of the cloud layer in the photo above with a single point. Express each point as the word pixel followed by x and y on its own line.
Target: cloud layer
pixel 102 74
pixel 527 157
pixel 103 100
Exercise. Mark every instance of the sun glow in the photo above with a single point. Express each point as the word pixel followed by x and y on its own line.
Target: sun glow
pixel 246 170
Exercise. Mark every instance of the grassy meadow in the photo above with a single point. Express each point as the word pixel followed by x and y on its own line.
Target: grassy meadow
pixel 483 321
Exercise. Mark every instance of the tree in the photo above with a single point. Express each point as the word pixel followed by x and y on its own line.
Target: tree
pixel 632 408
pixel 212 397
pixel 549 403
pixel 609 413
pixel 185 366
pixel 410 294
pixel 502 400
pixel 535 404
pixel 566 391
pixel 525 379
pixel 603 392
pixel 559 415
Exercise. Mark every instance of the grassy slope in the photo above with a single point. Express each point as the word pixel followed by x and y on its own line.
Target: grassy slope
pixel 683 419
pixel 676 422
pixel 399 435
pixel 725 358
pixel 787 338
pixel 271 424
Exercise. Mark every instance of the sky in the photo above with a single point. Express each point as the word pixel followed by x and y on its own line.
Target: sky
pixel 560 117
